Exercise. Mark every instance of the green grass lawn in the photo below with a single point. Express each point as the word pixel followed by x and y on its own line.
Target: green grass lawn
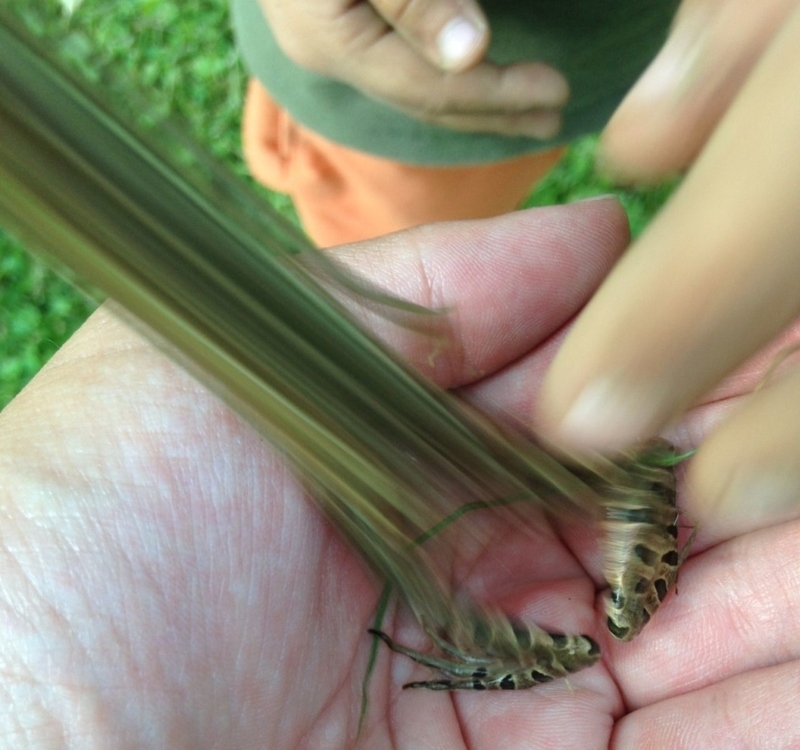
pixel 182 56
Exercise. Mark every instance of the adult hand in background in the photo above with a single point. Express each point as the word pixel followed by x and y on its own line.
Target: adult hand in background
pixel 717 274
pixel 424 57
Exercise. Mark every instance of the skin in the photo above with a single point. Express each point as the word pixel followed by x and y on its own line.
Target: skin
pixel 714 279
pixel 711 283
pixel 166 582
pixel 392 51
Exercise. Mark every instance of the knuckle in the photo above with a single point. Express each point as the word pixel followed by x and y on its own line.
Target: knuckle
pixel 399 12
pixel 418 21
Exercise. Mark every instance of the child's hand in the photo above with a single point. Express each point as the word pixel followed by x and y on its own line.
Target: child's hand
pixel 717 274
pixel 423 57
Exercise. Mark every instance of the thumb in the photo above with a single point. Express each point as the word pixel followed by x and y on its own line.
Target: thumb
pixel 451 34
pixel 669 114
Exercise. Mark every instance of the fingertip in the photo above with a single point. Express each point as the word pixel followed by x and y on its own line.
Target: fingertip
pixel 654 131
pixel 537 85
pixel 628 153
pixel 545 125
pixel 462 42
pixel 606 415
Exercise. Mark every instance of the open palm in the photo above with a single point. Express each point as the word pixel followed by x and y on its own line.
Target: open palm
pixel 167 583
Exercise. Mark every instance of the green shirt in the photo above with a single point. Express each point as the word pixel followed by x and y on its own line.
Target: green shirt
pixel 601 46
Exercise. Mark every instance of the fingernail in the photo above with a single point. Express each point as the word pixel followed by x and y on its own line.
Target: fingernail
pixel 458 40
pixel 608 415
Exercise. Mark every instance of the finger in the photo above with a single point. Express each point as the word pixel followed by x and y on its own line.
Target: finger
pixel 731 616
pixel 505 284
pixel 497 97
pixel 713 278
pixel 669 114
pixel 450 34
pixel 542 124
pixel 756 710
pixel 353 43
pixel 747 473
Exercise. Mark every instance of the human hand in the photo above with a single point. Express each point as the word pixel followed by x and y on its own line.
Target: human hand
pixel 166 581
pixel 167 584
pixel 717 274
pixel 424 58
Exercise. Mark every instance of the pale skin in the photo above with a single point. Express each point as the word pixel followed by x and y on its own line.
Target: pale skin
pixel 166 582
pixel 157 556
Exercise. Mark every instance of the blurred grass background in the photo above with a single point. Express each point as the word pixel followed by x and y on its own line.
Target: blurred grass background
pixel 182 57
